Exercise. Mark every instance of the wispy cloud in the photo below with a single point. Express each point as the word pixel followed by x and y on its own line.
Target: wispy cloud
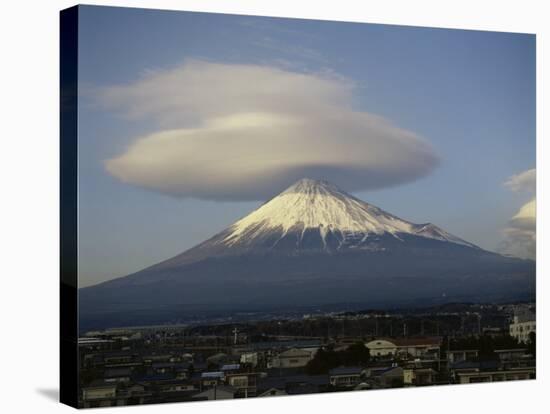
pixel 245 132
pixel 525 181
pixel 290 50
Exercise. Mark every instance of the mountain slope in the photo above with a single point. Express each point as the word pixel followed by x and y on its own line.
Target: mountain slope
pixel 314 216
pixel 316 244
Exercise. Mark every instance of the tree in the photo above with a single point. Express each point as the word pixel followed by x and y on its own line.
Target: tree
pixel 356 354
pixel 485 345
pixel 326 359
pixel 322 362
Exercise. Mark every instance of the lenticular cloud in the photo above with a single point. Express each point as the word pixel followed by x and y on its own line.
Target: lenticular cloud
pixel 245 132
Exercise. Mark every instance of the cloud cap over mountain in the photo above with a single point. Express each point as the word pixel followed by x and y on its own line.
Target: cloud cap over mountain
pixel 245 132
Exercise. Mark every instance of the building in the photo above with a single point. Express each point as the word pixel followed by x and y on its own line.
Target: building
pixel 419 376
pixel 273 392
pixel 292 358
pixel 405 347
pixel 390 378
pixel 216 393
pixel 249 358
pixel 467 372
pixel 244 384
pixel 176 386
pixel 345 376
pixel 459 355
pixel 382 347
pixel 292 384
pixel 99 394
pixel 228 368
pixel 511 354
pixel 217 359
pixel 117 375
pixel 522 325
pixel 211 379
pixel 496 375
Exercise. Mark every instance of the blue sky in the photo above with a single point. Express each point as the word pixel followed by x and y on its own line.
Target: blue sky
pixel 469 94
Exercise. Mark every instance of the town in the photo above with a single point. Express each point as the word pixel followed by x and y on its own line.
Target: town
pixel 310 353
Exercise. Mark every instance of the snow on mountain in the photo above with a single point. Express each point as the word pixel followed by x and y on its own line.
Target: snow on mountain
pixel 322 207
pixel 312 245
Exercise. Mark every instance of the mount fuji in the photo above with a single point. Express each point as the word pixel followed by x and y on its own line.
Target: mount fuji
pixel 313 244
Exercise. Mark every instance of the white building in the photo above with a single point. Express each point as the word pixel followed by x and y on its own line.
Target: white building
pixel 522 325
pixel 249 358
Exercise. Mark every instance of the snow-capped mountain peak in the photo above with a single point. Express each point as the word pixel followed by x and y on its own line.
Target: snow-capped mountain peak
pixel 318 207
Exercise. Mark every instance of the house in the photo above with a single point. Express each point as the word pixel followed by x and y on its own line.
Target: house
pixel 467 372
pixel 293 384
pixel 381 347
pixel 510 354
pixel 305 388
pixel 151 378
pixel 496 375
pixel 391 377
pixel 362 386
pixel 249 358
pixel 217 359
pixel 119 358
pixel 419 376
pixel 292 358
pixel 376 371
pixel 164 367
pixel 522 325
pixel 117 375
pixel 345 376
pixel 454 356
pixel 387 376
pixel 176 386
pixel 216 393
pixel 243 383
pixel 133 394
pixel 150 358
pixel 199 366
pixel 226 368
pixel 273 392
pixel 211 379
pixel 428 347
pixel 99 394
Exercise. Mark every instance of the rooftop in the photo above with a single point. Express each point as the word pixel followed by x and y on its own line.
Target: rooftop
pixel 346 371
